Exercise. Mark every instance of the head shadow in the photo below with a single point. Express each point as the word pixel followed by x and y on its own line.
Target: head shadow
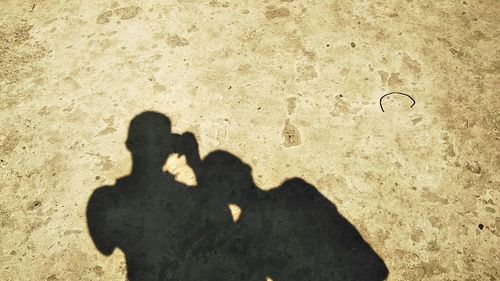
pixel 169 231
pixel 150 141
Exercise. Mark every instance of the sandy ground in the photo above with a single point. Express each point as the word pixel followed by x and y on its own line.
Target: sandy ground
pixel 290 87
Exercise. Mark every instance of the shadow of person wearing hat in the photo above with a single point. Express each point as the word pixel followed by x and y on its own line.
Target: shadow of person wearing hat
pixel 291 232
pixel 170 231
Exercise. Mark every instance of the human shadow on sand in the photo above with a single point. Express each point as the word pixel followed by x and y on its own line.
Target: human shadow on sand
pixel 170 231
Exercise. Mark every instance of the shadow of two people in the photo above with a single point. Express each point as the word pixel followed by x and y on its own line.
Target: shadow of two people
pixel 170 231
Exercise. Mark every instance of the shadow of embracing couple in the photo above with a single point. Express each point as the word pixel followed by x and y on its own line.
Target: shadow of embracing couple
pixel 170 231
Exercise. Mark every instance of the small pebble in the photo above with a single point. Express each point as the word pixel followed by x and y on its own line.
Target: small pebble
pixel 473 167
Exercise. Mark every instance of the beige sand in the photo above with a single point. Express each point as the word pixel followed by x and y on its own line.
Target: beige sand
pixel 291 87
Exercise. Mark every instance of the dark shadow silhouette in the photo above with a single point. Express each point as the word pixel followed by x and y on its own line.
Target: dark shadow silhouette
pixel 169 231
